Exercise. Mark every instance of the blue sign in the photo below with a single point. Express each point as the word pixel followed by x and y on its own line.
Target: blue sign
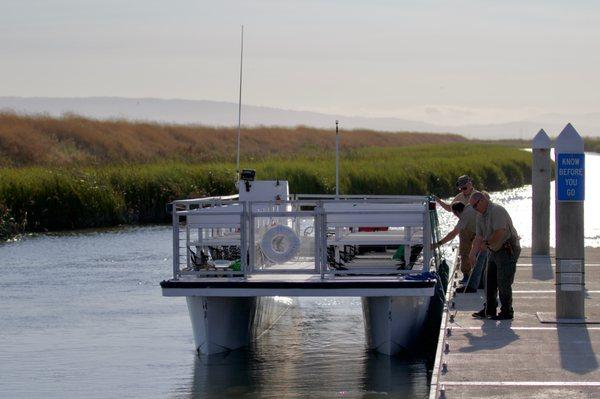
pixel 570 177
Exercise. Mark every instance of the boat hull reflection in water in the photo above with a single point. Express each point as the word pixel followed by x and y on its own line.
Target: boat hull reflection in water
pixel 246 373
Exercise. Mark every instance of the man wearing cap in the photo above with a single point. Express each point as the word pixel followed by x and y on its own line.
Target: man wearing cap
pixel 466 226
pixel 496 232
pixel 465 185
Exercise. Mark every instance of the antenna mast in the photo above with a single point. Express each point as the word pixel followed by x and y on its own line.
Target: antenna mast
pixel 237 172
pixel 337 161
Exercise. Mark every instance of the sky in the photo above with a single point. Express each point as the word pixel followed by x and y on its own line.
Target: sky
pixel 448 62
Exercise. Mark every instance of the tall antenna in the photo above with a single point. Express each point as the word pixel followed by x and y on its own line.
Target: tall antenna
pixel 237 171
pixel 337 161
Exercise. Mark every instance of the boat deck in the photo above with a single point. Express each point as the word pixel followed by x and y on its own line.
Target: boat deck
pixel 366 275
pixel 522 358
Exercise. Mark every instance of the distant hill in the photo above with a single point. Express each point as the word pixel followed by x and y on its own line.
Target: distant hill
pixel 210 113
pixel 215 113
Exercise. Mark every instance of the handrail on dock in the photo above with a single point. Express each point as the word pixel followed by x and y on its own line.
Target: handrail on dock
pixel 444 332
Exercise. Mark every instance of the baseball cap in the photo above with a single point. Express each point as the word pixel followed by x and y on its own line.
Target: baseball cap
pixel 463 180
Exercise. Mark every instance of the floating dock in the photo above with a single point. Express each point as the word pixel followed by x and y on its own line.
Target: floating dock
pixel 522 358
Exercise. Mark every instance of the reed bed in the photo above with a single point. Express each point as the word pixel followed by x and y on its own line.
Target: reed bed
pixel 37 199
pixel 75 141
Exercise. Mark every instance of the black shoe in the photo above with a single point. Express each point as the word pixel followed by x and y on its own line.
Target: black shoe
pixel 483 315
pixel 466 290
pixel 502 316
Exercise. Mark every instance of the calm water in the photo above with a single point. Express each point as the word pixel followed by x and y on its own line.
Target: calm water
pixel 81 315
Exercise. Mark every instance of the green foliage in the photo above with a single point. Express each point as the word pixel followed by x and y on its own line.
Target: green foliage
pixel 8 225
pixel 591 144
pixel 41 199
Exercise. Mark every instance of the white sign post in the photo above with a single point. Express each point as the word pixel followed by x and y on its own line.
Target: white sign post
pixel 540 187
pixel 570 196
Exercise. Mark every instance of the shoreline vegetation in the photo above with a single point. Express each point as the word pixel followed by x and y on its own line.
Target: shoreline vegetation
pixel 590 144
pixel 72 172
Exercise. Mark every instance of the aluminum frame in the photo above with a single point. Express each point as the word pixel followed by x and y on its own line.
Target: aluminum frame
pixel 181 209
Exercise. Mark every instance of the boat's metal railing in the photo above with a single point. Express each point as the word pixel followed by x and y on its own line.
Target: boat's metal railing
pixel 179 209
pixel 325 225
pixel 404 220
pixel 399 199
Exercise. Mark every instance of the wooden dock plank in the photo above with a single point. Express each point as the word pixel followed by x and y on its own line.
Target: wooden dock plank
pixel 523 357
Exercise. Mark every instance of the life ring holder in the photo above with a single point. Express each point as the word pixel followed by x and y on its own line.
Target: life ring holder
pixel 280 244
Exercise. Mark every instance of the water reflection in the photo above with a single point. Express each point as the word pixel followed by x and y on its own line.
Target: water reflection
pixel 403 377
pixel 229 375
pixel 246 373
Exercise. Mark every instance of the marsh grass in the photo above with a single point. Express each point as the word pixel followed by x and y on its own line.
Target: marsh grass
pixel 77 141
pixel 42 199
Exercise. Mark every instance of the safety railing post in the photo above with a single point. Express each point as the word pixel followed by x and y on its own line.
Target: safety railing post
pixel 426 239
pixel 244 240
pixel 251 246
pixel 318 243
pixel 188 259
pixel 324 264
pixel 176 271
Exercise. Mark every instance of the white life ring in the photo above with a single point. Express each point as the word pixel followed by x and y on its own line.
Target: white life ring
pixel 280 244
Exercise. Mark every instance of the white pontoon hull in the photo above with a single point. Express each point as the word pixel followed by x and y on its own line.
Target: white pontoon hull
pixel 392 324
pixel 222 324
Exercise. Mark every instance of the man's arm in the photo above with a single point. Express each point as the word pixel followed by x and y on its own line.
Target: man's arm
pixel 449 237
pixel 444 205
pixel 475 249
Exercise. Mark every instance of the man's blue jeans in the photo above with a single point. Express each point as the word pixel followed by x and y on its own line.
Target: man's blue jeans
pixel 478 269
